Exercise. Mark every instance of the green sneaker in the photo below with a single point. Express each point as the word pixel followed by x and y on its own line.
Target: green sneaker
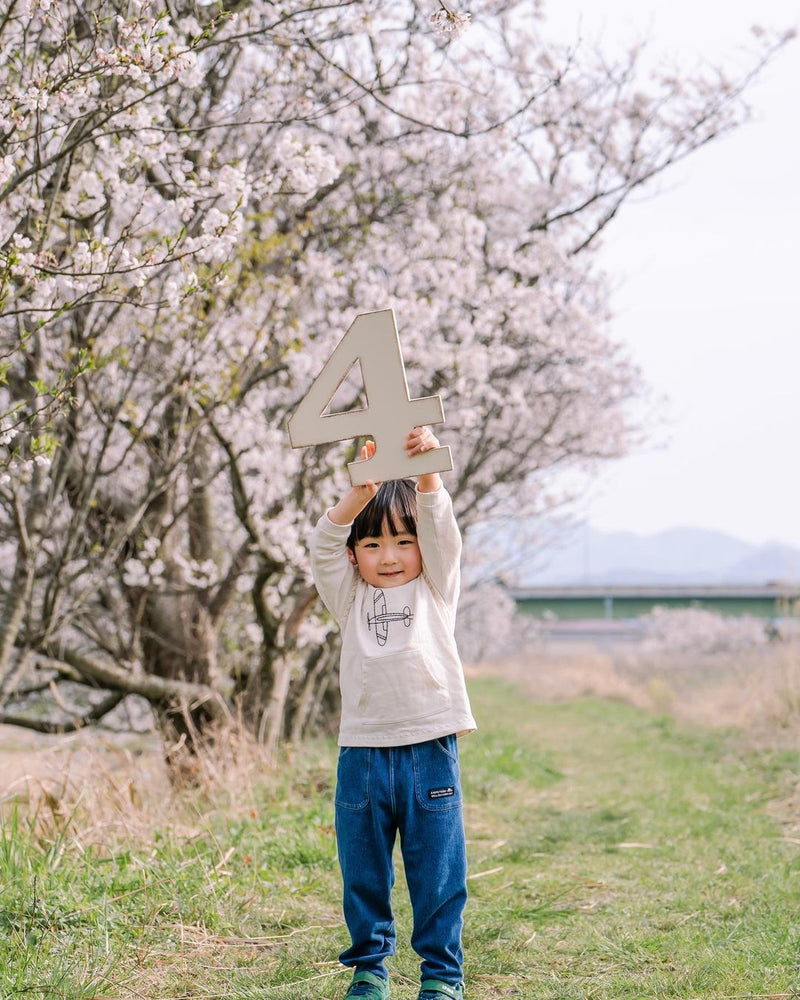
pixel 368 987
pixel 434 989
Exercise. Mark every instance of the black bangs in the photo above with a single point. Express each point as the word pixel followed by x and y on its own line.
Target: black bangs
pixel 395 505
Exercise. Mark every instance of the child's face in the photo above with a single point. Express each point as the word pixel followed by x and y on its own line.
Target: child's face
pixel 387 560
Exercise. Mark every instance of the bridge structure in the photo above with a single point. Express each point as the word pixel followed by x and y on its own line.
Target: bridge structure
pixel 612 601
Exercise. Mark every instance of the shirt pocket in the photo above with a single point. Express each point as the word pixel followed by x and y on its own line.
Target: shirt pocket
pixel 401 687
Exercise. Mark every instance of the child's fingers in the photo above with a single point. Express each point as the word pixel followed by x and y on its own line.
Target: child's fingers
pixel 414 440
pixel 368 450
pixel 367 490
pixel 370 488
pixel 421 439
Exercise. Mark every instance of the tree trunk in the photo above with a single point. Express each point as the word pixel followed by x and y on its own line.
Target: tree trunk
pixel 179 642
pixel 266 697
pixel 273 716
pixel 319 670
pixel 17 602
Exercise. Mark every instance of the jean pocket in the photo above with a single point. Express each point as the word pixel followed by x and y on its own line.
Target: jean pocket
pixel 448 745
pixel 352 778
pixel 437 778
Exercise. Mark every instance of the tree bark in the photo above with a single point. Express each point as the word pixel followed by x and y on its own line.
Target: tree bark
pixel 17 601
pixel 179 645
pixel 318 669
pixel 266 695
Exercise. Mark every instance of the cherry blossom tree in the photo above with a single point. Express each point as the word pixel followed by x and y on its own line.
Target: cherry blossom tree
pixel 195 201
pixel 696 631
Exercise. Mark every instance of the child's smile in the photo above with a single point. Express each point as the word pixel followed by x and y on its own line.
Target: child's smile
pixel 388 560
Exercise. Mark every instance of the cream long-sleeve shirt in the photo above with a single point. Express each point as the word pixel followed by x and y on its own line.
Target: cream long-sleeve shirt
pixel 401 677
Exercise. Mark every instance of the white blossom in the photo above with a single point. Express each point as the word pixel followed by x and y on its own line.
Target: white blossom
pixel 135 574
pixel 7 432
pixel 700 631
pixel 450 23
pixel 204 246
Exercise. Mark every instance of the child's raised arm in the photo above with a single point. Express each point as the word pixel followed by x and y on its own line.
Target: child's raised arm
pixel 419 440
pixel 357 498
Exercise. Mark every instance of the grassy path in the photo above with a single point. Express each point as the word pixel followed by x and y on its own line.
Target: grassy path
pixel 640 860
pixel 612 854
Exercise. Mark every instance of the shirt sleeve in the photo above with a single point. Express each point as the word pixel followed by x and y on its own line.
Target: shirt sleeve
pixel 440 543
pixel 333 574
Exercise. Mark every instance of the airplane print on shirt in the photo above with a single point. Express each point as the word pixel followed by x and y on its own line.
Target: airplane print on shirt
pixel 383 617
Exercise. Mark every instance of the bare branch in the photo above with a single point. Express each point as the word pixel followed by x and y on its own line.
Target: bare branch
pixel 158 690
pixel 94 715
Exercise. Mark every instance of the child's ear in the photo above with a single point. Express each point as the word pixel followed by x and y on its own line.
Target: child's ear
pixel 351 556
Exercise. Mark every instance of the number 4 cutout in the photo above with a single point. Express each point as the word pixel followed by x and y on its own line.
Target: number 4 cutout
pixel 390 412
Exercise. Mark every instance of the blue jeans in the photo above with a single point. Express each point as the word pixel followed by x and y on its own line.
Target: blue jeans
pixel 414 791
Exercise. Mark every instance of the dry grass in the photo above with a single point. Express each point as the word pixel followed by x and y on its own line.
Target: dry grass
pixel 113 789
pixel 109 789
pixel 755 690
pixel 585 876
pixel 117 789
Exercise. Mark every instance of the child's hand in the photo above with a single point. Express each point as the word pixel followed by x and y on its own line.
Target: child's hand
pixel 370 488
pixel 421 439
pixel 363 494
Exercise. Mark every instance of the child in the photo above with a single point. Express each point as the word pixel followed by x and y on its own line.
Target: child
pixel 386 563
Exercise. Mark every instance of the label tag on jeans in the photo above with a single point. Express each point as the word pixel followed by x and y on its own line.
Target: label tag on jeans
pixel 441 793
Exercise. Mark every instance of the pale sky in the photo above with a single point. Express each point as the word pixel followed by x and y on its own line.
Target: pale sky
pixel 707 291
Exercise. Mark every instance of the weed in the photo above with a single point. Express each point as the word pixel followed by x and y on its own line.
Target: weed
pixel 613 853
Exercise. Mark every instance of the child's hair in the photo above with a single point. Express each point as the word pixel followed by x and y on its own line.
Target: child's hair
pixel 394 505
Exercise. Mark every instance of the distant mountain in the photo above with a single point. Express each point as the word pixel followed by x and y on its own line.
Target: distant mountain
pixel 769 563
pixel 679 555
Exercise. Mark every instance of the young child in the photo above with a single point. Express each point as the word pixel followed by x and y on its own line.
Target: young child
pixel 386 563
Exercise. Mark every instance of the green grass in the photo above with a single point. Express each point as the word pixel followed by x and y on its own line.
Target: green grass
pixel 613 854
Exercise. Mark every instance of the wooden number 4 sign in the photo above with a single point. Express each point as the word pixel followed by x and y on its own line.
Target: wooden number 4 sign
pixel 390 412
